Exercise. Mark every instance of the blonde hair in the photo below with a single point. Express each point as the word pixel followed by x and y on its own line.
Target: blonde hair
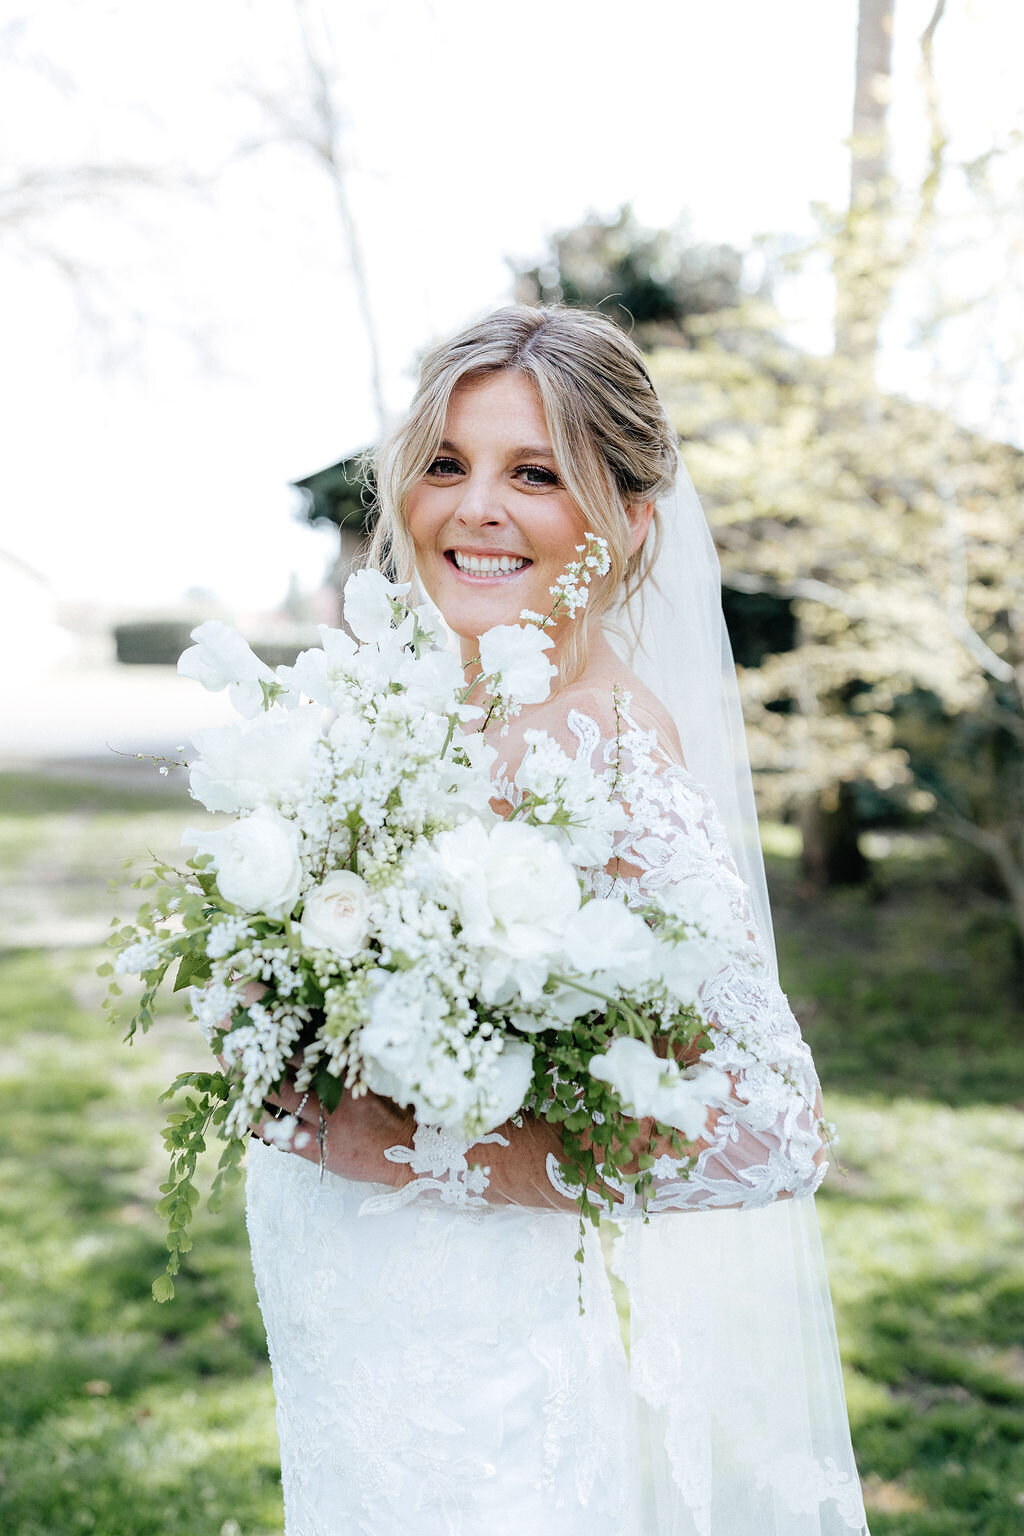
pixel 612 443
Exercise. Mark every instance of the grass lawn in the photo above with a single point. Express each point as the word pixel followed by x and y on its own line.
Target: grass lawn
pixel 124 1418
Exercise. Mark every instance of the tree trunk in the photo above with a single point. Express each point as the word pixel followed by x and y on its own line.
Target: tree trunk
pixel 862 267
pixel 830 830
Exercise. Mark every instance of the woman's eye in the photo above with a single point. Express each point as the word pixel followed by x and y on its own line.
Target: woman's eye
pixel 535 474
pixel 444 467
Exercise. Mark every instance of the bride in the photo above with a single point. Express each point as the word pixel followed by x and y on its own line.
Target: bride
pixel 435 1373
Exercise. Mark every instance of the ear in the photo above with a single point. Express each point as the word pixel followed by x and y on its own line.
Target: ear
pixel 639 518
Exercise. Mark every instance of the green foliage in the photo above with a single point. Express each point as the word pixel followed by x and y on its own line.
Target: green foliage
pixel 883 535
pixel 639 277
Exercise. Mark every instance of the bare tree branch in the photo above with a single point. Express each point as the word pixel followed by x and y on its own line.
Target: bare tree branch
pixel 325 141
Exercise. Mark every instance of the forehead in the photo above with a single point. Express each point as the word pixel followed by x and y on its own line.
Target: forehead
pixel 502 407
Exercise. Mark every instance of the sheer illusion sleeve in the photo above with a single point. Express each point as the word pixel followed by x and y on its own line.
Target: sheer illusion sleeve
pixel 766 1143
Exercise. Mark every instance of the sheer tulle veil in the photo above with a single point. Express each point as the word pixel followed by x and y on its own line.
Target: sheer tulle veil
pixel 734 1357
pixel 674 637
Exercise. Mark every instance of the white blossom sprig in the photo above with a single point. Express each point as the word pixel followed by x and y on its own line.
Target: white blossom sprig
pixel 572 588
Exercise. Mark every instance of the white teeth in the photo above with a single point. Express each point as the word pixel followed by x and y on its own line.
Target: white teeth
pixel 485 565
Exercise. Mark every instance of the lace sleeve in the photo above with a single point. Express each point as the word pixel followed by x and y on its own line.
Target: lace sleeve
pixel 766 1143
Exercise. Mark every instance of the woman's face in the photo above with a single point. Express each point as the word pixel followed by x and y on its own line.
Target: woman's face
pixel 491 522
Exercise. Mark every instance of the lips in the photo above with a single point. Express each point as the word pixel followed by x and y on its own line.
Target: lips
pixel 486 565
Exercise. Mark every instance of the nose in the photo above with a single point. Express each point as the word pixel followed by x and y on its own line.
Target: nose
pixel 481 504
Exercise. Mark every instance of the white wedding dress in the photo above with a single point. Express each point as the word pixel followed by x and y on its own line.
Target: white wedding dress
pixel 434 1375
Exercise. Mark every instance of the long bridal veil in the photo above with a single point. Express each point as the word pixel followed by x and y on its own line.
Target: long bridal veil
pixel 733 1350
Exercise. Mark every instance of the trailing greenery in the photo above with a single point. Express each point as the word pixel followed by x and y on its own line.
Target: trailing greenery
pixel 124 1418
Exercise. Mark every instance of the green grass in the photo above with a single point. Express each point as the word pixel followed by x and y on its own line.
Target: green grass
pixel 124 1418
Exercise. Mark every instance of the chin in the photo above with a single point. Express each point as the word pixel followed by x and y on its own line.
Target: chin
pixel 470 623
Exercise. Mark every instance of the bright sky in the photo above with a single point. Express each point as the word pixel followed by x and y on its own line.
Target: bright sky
pixel 146 457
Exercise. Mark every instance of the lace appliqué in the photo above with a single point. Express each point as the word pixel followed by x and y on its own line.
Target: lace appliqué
pixel 442 1168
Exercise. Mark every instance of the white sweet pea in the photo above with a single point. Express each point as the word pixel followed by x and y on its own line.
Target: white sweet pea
pixel 222 659
pixel 336 914
pixel 432 680
pixel 317 671
pixel 606 940
pixel 431 623
pixel 705 905
pixel 648 1085
pixel 512 657
pixel 257 861
pixel 256 762
pixel 368 610
pixel 686 966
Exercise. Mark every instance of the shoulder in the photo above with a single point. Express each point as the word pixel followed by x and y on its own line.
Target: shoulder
pixel 608 703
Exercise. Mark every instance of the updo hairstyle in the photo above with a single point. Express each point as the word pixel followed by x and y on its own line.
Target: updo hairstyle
pixel 612 443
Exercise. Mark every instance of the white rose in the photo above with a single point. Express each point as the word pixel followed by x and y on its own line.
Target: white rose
pixel 514 892
pixel 512 655
pixel 648 1085
pixel 222 659
pixel 257 762
pixel 257 861
pixel 368 610
pixel 336 914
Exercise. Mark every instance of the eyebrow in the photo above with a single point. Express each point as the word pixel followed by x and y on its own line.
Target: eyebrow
pixel 526 451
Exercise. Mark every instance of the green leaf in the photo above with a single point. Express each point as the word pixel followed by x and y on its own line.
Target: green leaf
pixel 192 970
pixel 163 1288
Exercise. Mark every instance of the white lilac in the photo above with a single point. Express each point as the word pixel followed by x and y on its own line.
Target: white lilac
pixel 136 958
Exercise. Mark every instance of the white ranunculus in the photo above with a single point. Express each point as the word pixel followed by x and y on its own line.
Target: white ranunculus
pixel 508 1083
pixel 336 914
pixel 604 938
pixel 368 611
pixel 512 655
pixel 648 1085
pixel 257 861
pixel 514 892
pixel 222 659
pixel 256 762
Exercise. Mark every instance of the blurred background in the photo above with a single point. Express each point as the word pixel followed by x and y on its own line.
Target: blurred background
pixel 227 234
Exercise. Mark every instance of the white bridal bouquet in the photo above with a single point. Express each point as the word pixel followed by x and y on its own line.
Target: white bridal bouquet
pixel 409 940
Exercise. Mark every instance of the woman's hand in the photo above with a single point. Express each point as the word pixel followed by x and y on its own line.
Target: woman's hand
pixel 357 1134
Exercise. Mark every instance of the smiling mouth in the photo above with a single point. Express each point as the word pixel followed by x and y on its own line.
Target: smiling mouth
pixel 486 565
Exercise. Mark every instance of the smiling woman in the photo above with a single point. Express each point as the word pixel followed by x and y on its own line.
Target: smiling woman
pixel 434 1373
pixel 491 523
pixel 516 446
